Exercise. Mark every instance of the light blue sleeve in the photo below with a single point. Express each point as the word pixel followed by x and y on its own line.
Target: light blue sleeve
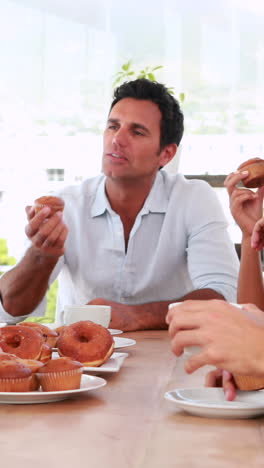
pixel 212 259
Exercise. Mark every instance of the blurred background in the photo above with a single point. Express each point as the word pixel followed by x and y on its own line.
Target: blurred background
pixel 60 59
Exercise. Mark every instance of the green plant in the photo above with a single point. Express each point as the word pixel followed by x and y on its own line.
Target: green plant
pixel 5 259
pixel 49 316
pixel 127 73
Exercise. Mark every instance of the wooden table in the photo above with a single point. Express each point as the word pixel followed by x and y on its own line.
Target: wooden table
pixel 128 423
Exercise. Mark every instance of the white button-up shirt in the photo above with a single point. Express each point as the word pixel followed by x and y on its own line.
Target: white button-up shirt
pixel 178 243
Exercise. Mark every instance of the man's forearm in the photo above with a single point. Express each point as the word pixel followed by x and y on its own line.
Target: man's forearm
pixel 23 287
pixel 151 316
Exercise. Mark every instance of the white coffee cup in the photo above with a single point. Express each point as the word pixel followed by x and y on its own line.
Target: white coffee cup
pixel 100 314
pixel 190 350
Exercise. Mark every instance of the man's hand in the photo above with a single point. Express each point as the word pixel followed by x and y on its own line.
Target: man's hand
pixel 47 235
pixel 230 338
pixel 245 205
pixel 121 314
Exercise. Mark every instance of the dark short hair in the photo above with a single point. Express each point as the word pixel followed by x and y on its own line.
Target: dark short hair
pixel 171 126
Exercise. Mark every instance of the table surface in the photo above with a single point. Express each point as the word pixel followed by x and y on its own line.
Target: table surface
pixel 128 423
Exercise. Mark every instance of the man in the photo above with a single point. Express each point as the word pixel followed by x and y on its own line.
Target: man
pixel 138 239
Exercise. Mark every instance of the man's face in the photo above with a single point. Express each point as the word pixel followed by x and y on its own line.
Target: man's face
pixel 132 140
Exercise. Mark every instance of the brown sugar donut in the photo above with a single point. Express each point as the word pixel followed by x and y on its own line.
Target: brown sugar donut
pixel 46 353
pixel 54 203
pixel 50 336
pixel 24 342
pixel 86 342
pixel 255 168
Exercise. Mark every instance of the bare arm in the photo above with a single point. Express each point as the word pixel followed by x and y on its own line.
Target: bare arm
pixel 247 207
pixel 150 316
pixel 23 287
pixel 250 282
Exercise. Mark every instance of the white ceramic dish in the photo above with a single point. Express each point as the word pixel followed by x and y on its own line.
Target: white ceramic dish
pixel 88 383
pixel 114 331
pixel 112 365
pixel 123 342
pixel 211 403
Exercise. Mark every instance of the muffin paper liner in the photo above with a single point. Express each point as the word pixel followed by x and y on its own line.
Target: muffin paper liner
pixel 246 382
pixel 56 381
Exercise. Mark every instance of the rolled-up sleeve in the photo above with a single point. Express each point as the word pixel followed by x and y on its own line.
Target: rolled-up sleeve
pixel 212 258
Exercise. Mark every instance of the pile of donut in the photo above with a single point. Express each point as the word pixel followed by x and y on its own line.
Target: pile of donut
pixel 26 355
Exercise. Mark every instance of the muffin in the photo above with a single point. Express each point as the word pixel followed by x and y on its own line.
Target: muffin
pixel 247 383
pixel 60 374
pixel 15 377
pixel 34 366
pixel 255 168
pixel 54 203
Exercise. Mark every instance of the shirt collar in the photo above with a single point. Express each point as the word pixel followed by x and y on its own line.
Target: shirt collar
pixel 101 203
pixel 156 202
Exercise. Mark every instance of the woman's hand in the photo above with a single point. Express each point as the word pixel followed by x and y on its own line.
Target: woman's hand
pixel 222 378
pixel 246 206
pixel 229 337
pixel 257 238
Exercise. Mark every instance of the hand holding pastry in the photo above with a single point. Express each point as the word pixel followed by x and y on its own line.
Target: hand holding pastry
pixel 229 338
pixel 255 169
pixel 245 205
pixel 222 378
pixel 45 228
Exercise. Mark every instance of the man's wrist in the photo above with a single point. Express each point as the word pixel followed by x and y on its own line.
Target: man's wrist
pixel 39 258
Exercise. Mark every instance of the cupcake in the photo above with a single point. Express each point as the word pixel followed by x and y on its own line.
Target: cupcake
pixel 34 366
pixel 255 168
pixel 15 377
pixel 247 382
pixel 54 203
pixel 60 374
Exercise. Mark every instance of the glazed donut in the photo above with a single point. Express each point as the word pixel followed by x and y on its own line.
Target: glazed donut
pixel 255 168
pixel 50 336
pixel 46 353
pixel 86 342
pixel 24 342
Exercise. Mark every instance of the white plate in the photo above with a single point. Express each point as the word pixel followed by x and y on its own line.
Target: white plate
pixel 211 403
pixel 88 383
pixel 123 342
pixel 113 331
pixel 112 365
